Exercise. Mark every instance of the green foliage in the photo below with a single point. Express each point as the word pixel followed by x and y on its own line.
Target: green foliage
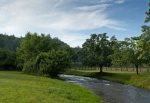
pixel 97 51
pixel 9 42
pixel 52 63
pixel 29 67
pixel 40 54
pixel 7 59
pixel 126 53
pixel 77 56
pixel 144 42
pixel 116 56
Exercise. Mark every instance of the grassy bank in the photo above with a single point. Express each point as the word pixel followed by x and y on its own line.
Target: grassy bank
pixel 16 87
pixel 142 80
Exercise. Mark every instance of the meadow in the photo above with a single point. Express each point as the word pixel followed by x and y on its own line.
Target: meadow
pixel 16 87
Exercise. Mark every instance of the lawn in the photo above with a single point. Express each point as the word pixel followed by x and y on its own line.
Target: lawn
pixel 142 80
pixel 16 87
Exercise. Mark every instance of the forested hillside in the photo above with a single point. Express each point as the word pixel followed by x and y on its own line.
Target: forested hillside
pixel 8 47
pixel 9 42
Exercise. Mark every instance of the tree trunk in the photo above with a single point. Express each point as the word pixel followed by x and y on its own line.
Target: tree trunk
pixel 137 69
pixel 101 69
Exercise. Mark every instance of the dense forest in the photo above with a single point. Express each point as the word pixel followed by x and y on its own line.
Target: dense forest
pixel 8 47
pixel 9 42
pixel 41 54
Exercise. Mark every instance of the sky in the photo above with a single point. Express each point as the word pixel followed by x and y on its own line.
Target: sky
pixel 73 21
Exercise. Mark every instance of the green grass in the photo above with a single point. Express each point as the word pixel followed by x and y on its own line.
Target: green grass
pixel 142 80
pixel 16 87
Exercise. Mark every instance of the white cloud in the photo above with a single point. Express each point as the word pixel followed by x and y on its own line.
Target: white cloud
pixel 74 39
pixel 119 1
pixel 61 17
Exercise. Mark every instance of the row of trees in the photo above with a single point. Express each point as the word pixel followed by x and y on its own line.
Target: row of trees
pixel 100 51
pixel 41 54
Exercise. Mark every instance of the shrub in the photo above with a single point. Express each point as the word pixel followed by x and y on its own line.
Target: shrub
pixel 52 62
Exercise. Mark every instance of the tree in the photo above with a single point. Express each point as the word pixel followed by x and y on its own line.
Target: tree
pixel 52 62
pixel 97 51
pixel 126 52
pixel 76 57
pixel 144 42
pixel 134 53
pixel 35 49
pixel 116 55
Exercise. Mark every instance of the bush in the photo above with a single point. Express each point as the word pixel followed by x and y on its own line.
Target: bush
pixel 52 63
pixel 47 63
pixel 29 67
pixel 40 54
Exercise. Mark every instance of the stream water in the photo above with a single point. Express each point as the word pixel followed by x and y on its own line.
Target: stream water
pixel 111 92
